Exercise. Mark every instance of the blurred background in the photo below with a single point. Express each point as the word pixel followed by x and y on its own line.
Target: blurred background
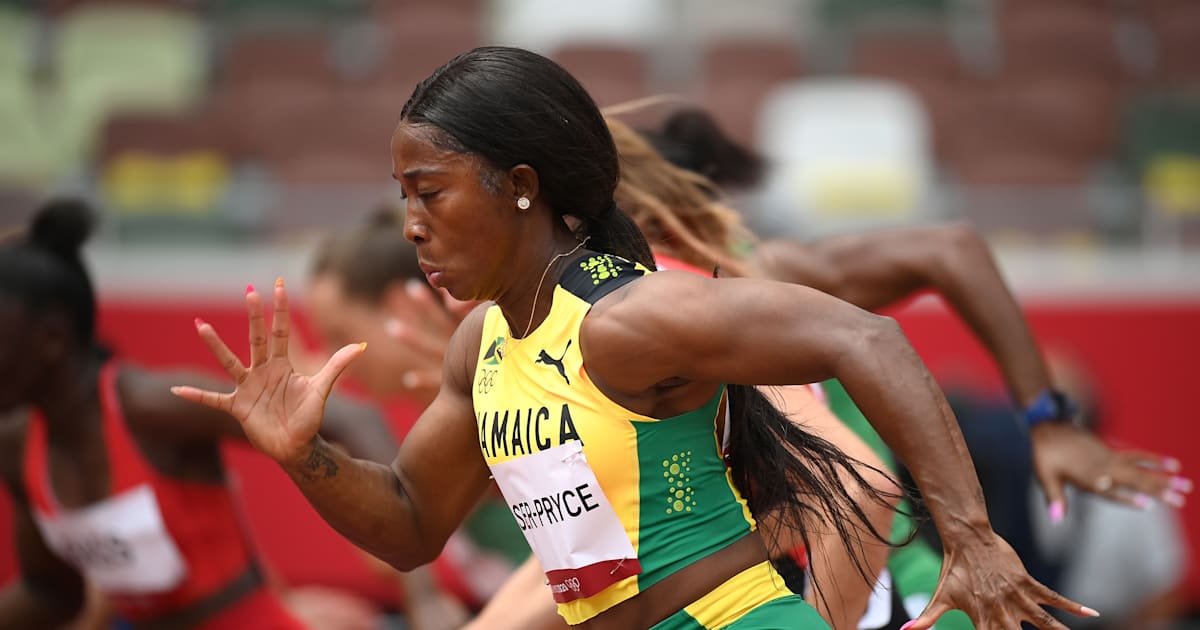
pixel 221 138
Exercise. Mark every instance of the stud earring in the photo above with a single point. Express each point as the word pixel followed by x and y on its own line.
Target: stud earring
pixel 523 203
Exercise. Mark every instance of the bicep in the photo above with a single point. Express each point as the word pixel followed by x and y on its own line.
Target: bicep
pixel 753 332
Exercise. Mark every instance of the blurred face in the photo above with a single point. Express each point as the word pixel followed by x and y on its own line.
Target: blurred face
pixel 20 364
pixel 342 320
pixel 465 232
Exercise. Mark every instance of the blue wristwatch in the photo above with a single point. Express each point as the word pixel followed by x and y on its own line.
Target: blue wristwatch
pixel 1050 406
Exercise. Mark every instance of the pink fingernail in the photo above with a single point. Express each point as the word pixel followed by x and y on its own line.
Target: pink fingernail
pixel 908 625
pixel 1144 502
pixel 1180 484
pixel 199 322
pixel 249 289
pixel 1171 464
pixel 1057 512
pixel 1173 498
pixel 1089 611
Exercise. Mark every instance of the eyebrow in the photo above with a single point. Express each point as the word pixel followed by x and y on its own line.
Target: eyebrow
pixel 422 170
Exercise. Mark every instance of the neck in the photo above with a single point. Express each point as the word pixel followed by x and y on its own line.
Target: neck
pixel 69 399
pixel 528 303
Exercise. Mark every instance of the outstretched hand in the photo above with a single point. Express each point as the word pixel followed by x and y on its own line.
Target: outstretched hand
pixel 279 410
pixel 984 578
pixel 1066 454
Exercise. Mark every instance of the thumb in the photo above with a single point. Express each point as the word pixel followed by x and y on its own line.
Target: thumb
pixel 932 613
pixel 1056 497
pixel 334 367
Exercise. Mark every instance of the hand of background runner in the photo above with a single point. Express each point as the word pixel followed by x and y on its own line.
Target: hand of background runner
pixel 1064 453
pixel 425 326
pixel 279 409
pixel 983 577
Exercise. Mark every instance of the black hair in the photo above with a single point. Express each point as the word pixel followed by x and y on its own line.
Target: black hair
pixel 692 140
pixel 369 256
pixel 510 106
pixel 44 270
pixel 800 481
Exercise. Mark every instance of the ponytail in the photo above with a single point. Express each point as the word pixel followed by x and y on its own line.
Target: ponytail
pixel 797 480
pixel 615 232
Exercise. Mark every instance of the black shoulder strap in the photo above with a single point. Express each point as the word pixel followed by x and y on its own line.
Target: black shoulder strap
pixel 594 276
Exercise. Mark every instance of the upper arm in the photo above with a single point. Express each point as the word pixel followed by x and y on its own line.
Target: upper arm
pixel 55 583
pixel 439 465
pixel 357 426
pixel 871 270
pixel 756 332
pixel 149 404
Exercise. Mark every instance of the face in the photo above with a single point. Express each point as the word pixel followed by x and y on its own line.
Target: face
pixel 464 231
pixel 340 320
pixel 20 363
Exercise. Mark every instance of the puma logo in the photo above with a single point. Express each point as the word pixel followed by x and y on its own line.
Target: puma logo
pixel 545 359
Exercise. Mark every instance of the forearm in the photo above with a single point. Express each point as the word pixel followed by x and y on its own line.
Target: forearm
pixel 967 277
pixel 21 607
pixel 523 602
pixel 365 502
pixel 894 390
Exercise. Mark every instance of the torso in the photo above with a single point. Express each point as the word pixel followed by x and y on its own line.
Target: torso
pixel 153 543
pixel 612 501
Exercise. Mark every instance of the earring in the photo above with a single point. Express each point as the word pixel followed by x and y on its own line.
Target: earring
pixel 523 203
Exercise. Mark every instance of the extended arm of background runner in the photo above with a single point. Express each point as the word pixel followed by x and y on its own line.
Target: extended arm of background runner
pixel 48 592
pixel 876 269
pixel 675 327
pixel 357 427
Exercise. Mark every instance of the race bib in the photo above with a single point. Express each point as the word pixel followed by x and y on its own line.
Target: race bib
pixel 120 544
pixel 568 521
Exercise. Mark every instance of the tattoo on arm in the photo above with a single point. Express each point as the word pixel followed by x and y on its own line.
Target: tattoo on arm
pixel 320 464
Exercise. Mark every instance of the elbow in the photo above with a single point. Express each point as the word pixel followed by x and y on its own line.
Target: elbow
pixel 961 243
pixel 878 332
pixel 413 560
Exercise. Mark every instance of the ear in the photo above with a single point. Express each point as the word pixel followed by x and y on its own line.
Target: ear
pixel 525 183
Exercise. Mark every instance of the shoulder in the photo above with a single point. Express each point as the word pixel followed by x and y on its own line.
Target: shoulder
pixel 462 352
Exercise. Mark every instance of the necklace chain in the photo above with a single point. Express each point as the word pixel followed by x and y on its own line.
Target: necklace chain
pixel 538 291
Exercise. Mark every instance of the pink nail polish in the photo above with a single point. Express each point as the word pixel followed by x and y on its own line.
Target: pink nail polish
pixel 1172 465
pixel 1173 498
pixel 249 289
pixel 908 625
pixel 199 322
pixel 1089 611
pixel 1057 512
pixel 1180 484
pixel 1144 502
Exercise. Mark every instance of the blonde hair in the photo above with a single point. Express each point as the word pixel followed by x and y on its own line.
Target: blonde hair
pixel 676 209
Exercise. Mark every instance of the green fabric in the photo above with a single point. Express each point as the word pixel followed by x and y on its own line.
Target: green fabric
pixel 688 509
pixel 915 567
pixel 785 612
pixel 492 527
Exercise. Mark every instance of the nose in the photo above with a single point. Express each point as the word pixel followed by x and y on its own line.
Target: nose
pixel 415 229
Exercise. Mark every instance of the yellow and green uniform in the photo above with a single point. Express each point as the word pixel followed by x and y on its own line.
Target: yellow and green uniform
pixel 611 501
